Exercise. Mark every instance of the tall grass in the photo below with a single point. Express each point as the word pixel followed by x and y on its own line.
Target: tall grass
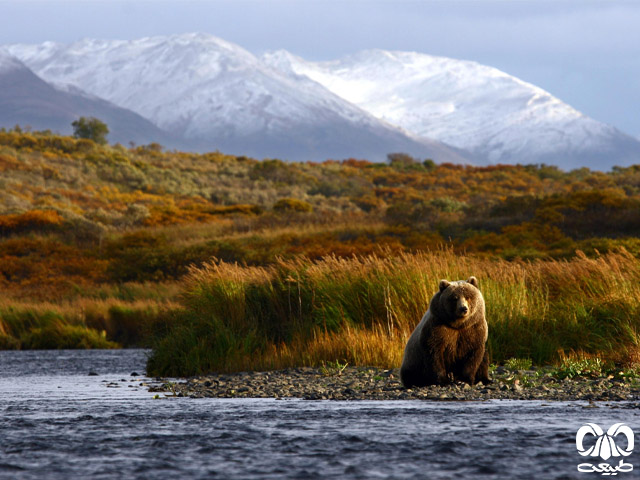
pixel 81 323
pixel 361 310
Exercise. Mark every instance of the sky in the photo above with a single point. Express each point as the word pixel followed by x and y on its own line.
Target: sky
pixel 585 52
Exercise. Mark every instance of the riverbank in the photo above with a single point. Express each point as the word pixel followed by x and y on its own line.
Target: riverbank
pixel 367 383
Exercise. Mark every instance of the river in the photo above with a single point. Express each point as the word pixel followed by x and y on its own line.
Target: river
pixel 59 422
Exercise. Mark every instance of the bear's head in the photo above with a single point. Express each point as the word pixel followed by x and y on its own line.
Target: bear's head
pixel 456 303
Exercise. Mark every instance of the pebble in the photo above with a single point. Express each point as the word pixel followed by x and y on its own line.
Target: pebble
pixel 368 383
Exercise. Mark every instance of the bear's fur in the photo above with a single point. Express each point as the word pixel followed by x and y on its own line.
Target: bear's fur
pixel 449 342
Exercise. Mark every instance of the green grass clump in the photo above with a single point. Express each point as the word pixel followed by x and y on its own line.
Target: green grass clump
pixel 85 323
pixel 583 367
pixel 518 364
pixel 47 329
pixel 60 336
pixel 336 368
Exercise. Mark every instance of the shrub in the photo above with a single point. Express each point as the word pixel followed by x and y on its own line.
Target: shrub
pixel 143 256
pixel 369 203
pixel 276 171
pixel 403 161
pixel 292 205
pixel 90 128
pixel 42 220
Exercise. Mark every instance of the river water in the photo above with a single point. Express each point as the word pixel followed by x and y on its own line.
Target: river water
pixel 59 422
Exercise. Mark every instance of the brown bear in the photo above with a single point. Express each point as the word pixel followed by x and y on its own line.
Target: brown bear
pixel 449 342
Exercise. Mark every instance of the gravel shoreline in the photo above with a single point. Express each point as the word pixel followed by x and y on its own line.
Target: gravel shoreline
pixel 368 383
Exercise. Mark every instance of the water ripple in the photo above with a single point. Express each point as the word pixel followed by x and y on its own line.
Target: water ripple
pixel 84 429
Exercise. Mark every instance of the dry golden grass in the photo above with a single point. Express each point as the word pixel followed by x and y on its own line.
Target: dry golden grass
pixel 361 310
pixel 376 347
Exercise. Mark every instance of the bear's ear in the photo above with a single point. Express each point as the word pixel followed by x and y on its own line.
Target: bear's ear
pixel 444 284
pixel 473 281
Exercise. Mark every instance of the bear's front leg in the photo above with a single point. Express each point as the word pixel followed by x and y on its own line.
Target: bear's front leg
pixel 472 366
pixel 482 375
pixel 439 369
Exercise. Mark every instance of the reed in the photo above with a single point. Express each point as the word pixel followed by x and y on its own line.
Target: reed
pixel 361 310
pixel 80 323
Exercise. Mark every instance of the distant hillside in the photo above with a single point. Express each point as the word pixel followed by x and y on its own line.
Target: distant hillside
pixel 27 100
pixel 495 116
pixel 92 191
pixel 218 96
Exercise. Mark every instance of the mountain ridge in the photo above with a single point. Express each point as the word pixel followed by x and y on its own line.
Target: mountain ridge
pixel 218 95
pixel 497 117
pixel 27 100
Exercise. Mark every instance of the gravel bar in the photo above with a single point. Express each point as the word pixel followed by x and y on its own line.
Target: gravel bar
pixel 368 383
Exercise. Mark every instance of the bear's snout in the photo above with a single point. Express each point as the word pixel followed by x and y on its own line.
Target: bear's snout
pixel 462 307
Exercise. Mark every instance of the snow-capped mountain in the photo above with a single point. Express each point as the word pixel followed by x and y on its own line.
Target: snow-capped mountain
pixel 27 100
pixel 494 115
pixel 218 95
pixel 8 62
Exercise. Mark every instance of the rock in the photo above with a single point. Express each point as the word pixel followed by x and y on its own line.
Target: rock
pixel 355 383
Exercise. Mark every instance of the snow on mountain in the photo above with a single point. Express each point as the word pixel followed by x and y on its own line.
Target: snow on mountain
pixel 478 108
pixel 221 96
pixel 218 95
pixel 8 62
pixel 27 100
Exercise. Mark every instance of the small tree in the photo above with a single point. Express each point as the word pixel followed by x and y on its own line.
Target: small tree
pixel 429 164
pixel 404 161
pixel 91 128
pixel 401 160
